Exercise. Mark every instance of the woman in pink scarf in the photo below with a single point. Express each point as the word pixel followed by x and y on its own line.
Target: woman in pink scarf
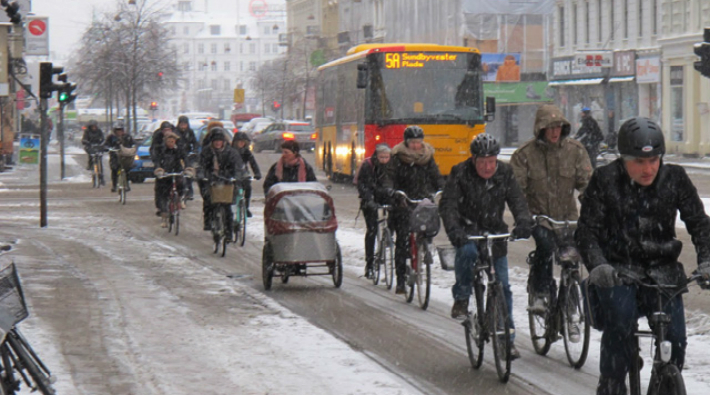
pixel 291 167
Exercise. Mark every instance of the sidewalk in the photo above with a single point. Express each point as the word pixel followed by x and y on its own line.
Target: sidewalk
pixel 26 174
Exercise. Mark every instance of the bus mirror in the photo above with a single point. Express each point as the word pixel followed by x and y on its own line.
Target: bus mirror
pixel 490 109
pixel 362 76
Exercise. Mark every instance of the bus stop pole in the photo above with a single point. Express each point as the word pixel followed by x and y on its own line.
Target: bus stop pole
pixel 43 164
pixel 60 136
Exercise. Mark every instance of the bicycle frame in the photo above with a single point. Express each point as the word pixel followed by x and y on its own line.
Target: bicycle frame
pixel 174 201
pixel 384 242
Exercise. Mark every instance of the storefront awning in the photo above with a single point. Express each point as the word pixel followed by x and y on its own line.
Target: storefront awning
pixel 622 79
pixel 586 81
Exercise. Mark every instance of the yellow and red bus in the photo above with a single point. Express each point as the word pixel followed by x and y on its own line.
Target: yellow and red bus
pixel 373 93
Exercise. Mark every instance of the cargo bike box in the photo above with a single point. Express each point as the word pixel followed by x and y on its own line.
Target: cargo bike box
pixel 299 233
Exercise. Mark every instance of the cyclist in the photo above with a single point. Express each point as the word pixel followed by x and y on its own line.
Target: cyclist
pixel 188 143
pixel 548 169
pixel 158 135
pixel 627 223
pixel 219 161
pixel 291 167
pixel 412 170
pixel 93 136
pixel 117 139
pixel 168 158
pixel 370 188
pixel 241 144
pixel 590 135
pixel 473 202
pixel 206 142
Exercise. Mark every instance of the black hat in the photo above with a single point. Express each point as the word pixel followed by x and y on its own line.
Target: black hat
pixel 290 145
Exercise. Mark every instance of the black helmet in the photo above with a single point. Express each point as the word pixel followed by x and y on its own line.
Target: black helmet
pixel 641 137
pixel 183 118
pixel 166 125
pixel 218 133
pixel 485 145
pixel 241 136
pixel 413 132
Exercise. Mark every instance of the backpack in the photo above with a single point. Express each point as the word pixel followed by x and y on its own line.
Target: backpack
pixel 357 173
pixel 425 218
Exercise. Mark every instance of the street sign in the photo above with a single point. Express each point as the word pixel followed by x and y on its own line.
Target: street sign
pixel 29 149
pixel 258 8
pixel 37 36
pixel 239 95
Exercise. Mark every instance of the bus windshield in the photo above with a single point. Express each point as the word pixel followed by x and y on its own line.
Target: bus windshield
pixel 425 87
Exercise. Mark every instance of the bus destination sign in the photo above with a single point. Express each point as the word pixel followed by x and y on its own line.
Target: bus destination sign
pixel 401 60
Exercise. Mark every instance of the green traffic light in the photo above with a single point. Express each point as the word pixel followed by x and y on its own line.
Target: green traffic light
pixel 63 96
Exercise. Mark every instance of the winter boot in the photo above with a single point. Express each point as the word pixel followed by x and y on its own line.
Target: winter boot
pixel 247 205
pixel 164 217
pixel 459 309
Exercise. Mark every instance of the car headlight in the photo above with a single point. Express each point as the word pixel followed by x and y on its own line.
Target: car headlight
pixel 137 157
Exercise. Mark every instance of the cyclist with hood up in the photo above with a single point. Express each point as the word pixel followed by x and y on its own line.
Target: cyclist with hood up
pixel 241 144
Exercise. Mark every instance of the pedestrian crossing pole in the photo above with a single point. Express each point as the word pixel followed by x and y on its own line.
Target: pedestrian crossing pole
pixel 43 164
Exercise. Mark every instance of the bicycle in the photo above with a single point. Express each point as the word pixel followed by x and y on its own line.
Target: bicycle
pixel 384 254
pixel 221 195
pixel 239 215
pixel 489 322
pixel 666 378
pixel 564 309
pixel 122 184
pixel 175 202
pixel 18 361
pixel 418 274
pixel 96 153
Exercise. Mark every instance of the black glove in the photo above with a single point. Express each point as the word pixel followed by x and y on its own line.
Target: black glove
pixel 522 232
pixel 257 176
pixel 704 270
pixel 604 276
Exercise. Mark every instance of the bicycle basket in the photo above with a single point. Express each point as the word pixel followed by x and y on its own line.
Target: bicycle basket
pixel 11 296
pixel 221 193
pixel 425 219
pixel 126 162
pixel 447 256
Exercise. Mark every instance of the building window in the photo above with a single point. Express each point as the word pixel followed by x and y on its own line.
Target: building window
pixel 242 29
pixel 227 85
pixel 267 30
pixel 184 6
pixel 599 21
pixel 186 48
pixel 586 22
pixel 213 66
pixel 226 66
pixel 677 117
pixel 562 26
pixel 252 66
pixel 574 24
pixel 640 18
pixel 215 30
pixel 200 48
pixel 626 18
pixel 654 16
pixel 213 48
pixel 275 48
pixel 612 25
pixel 252 48
pixel 186 30
pixel 227 49
pixel 267 48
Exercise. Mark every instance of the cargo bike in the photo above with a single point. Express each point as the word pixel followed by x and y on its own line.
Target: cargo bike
pixel 299 233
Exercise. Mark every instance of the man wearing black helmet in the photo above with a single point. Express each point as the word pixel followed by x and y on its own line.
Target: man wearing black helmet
pixel 412 170
pixel 241 144
pixel 627 224
pixel 473 202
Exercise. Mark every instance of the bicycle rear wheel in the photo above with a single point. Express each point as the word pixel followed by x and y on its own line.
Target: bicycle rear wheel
pixel 538 326
pixel 572 308
pixel 122 186
pixel 410 276
pixel 95 178
pixel 375 269
pixel 669 381
pixel 423 274
pixel 387 256
pixel 267 266
pixel 177 222
pixel 241 228
pixel 500 331
pixel 474 326
pixel 41 378
pixel 338 267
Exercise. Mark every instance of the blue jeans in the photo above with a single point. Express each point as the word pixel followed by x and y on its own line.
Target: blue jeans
pixel 466 257
pixel 623 305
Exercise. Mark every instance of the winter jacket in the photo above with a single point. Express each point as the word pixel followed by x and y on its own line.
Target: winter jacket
pixel 589 134
pixel 471 205
pixel 228 160
pixel 92 136
pixel 115 142
pixel 633 227
pixel 290 175
pixel 418 177
pixel 248 158
pixel 170 160
pixel 187 140
pixel 370 181
pixel 549 173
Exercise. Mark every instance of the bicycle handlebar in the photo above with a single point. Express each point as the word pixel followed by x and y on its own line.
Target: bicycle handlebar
pixel 166 175
pixel 555 222
pixel 415 201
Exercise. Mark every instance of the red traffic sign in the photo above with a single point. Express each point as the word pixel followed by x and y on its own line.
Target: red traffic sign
pixel 258 8
pixel 37 27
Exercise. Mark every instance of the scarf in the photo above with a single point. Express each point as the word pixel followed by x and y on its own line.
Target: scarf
pixel 409 156
pixel 215 161
pixel 301 169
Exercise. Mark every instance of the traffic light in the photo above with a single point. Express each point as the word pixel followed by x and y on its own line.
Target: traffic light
pixel 153 106
pixel 46 79
pixel 13 11
pixel 160 75
pixel 275 106
pixel 703 50
pixel 66 95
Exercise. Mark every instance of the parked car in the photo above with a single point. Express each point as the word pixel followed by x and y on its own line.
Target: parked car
pixel 273 136
pixel 143 166
pixel 256 125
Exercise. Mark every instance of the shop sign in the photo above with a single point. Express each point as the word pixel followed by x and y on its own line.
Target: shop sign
pixel 624 63
pixel 567 68
pixel 519 92
pixel 594 59
pixel 648 70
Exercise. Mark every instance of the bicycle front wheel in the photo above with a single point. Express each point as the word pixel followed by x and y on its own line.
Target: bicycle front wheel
pixel 386 256
pixel 40 377
pixel 122 186
pixel 177 222
pixel 217 227
pixel 241 231
pixel 538 326
pixel 474 326
pixel 500 331
pixel 423 274
pixel 668 381
pixel 575 328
